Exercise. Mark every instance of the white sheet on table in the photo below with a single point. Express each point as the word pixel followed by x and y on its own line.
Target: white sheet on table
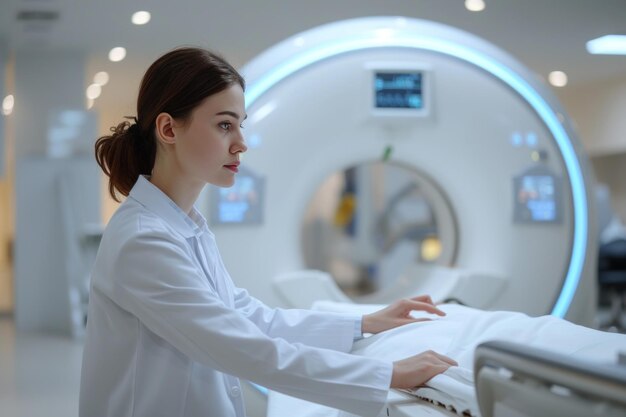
pixel 457 335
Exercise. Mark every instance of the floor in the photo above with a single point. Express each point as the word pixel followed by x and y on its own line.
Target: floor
pixel 40 374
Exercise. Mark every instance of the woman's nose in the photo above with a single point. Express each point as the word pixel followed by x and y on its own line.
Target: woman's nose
pixel 239 145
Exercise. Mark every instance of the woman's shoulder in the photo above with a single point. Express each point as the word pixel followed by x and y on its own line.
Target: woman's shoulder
pixel 135 239
pixel 133 220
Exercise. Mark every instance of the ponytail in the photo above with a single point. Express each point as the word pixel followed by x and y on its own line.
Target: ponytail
pixel 124 155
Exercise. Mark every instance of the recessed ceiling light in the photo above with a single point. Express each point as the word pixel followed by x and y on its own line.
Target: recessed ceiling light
pixel 558 78
pixel 101 78
pixel 141 18
pixel 117 54
pixel 475 5
pixel 7 105
pixel 608 44
pixel 93 91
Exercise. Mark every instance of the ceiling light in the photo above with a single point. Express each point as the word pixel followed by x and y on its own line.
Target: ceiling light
pixel 558 78
pixel 117 54
pixel 90 103
pixel 101 78
pixel 474 5
pixel 93 91
pixel 140 18
pixel 7 105
pixel 609 45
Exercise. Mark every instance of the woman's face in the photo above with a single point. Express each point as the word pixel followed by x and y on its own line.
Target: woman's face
pixel 209 145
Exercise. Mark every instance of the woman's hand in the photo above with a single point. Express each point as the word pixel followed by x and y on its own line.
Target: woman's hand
pixel 416 370
pixel 398 314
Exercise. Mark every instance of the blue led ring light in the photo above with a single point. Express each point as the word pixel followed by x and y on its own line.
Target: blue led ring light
pixel 499 70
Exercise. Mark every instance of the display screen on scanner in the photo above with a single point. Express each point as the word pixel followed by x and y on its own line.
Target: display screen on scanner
pixel 398 90
pixel 537 193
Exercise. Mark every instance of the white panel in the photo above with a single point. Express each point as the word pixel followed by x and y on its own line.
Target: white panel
pixel 42 272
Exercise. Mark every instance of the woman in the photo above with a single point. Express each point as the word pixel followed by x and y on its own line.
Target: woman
pixel 168 333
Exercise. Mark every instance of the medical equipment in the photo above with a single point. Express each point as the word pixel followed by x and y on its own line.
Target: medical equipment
pixel 482 182
pixel 552 362
pixel 404 157
pixel 612 276
pixel 515 380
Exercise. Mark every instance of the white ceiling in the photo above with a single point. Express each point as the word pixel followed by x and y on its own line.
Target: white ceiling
pixel 545 35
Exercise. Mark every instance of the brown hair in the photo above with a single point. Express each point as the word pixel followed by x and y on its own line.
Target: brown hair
pixel 175 83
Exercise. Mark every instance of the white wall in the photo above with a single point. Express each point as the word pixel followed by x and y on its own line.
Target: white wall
pixel 599 111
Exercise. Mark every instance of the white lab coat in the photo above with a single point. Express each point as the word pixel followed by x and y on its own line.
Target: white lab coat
pixel 169 334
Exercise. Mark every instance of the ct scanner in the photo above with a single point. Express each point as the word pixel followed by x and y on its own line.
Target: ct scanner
pixel 403 157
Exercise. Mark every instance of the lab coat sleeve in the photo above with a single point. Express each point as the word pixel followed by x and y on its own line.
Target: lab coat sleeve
pixel 155 279
pixel 320 329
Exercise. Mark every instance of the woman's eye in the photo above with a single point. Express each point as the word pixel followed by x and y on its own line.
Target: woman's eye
pixel 241 126
pixel 225 125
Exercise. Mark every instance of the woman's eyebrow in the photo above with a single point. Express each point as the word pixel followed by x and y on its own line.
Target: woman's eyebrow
pixel 230 113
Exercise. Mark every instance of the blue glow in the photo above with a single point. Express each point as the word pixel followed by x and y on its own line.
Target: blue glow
pixel 253 141
pixel 531 139
pixel 260 388
pixel 516 139
pixel 497 69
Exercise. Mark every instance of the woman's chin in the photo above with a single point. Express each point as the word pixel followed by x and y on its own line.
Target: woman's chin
pixel 223 182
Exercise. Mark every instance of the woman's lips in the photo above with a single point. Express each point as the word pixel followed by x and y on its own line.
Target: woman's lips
pixel 234 168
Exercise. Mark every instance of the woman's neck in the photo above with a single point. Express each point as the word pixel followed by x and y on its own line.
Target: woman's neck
pixel 182 191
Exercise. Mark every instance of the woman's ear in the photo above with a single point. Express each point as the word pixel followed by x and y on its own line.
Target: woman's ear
pixel 164 129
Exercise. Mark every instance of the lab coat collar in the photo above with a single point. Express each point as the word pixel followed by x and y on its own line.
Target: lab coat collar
pixel 156 201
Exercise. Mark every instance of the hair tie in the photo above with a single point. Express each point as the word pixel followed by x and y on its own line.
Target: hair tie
pixel 134 129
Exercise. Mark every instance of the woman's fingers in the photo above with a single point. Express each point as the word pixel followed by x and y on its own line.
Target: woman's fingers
pixel 420 320
pixel 435 370
pixel 423 306
pixel 437 364
pixel 446 359
pixel 418 369
pixel 424 299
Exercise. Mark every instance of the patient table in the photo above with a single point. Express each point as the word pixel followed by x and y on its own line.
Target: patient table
pixel 510 365
pixel 514 380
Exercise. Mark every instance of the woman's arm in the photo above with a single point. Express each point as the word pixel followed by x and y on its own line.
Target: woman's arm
pixel 154 279
pixel 326 330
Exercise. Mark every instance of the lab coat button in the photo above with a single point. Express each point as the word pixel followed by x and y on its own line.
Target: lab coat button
pixel 235 392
